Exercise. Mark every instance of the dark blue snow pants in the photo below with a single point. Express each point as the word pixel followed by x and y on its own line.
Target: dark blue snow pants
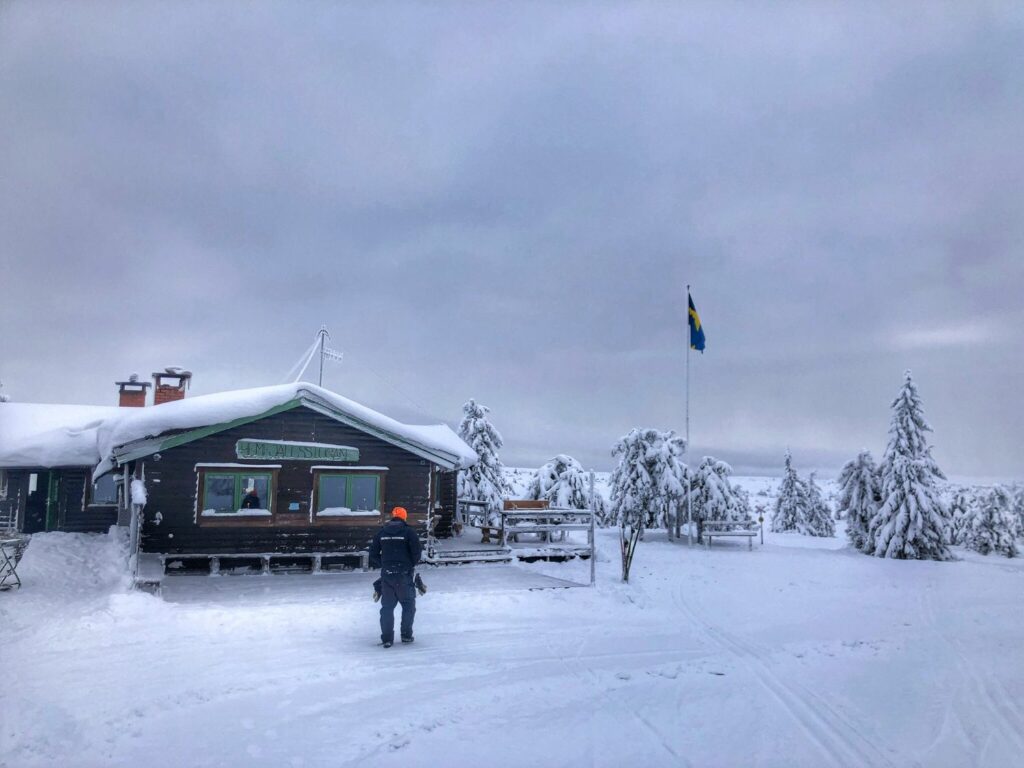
pixel 394 589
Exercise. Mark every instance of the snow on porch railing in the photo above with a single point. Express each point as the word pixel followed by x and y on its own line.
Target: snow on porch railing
pixel 9 514
pixel 551 524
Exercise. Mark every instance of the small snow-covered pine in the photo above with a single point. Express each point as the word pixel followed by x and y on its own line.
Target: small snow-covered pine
pixel 961 514
pixel 819 515
pixel 993 528
pixel 564 483
pixel 791 503
pixel 859 492
pixel 911 520
pixel 649 481
pixel 485 480
pixel 1018 509
pixel 743 500
pixel 712 497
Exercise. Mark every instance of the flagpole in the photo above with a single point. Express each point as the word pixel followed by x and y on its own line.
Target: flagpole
pixel 689 526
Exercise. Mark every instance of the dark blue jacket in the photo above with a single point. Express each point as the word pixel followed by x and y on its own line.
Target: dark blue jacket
pixel 396 548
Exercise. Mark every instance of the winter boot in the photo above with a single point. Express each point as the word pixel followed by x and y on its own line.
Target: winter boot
pixel 387 643
pixel 408 639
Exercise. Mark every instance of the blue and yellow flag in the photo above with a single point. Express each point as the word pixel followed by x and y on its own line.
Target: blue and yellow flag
pixel 696 329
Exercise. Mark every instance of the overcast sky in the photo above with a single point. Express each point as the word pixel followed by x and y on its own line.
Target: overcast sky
pixel 507 201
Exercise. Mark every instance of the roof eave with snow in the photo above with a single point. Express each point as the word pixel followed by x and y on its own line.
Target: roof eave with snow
pixel 435 443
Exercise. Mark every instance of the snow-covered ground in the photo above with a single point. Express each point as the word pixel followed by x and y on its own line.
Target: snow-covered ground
pixel 802 652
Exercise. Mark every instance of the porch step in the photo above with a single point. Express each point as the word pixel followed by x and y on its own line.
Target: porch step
pixel 470 556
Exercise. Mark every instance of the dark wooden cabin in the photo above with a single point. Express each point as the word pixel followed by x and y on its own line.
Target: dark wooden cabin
pixel 47 455
pixel 324 471
pixel 36 499
pixel 312 474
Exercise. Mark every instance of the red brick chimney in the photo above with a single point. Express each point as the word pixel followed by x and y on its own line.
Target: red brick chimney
pixel 132 393
pixel 174 390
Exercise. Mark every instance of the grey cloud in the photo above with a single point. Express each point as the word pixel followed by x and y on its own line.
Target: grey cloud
pixel 506 202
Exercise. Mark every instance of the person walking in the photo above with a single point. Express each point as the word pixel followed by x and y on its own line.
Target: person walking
pixel 396 549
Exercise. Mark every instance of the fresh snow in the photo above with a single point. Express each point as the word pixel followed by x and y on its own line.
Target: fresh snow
pixel 803 652
pixel 50 435
pixel 34 434
pixel 138 492
pixel 346 512
pixel 238 513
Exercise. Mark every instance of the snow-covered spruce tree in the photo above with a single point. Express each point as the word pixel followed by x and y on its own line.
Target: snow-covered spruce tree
pixel 647 485
pixel 712 497
pixel 859 492
pixel 485 480
pixel 911 520
pixel 961 514
pixel 819 514
pixel 563 482
pixel 993 528
pixel 1018 509
pixel 791 504
pixel 743 500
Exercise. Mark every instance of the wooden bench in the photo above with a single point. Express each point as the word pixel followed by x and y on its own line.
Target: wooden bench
pixel 713 528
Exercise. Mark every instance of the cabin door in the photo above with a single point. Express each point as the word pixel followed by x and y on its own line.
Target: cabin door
pixel 36 498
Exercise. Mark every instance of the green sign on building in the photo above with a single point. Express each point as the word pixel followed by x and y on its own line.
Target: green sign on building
pixel 287 449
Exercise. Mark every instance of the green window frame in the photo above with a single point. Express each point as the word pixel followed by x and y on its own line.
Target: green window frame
pixel 350 479
pixel 239 482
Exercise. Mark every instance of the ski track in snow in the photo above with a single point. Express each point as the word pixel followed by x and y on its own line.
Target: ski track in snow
pixel 985 693
pixel 284 670
pixel 839 739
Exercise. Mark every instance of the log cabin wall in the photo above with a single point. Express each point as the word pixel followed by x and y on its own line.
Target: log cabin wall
pixel 77 513
pixel 172 524
pixel 72 511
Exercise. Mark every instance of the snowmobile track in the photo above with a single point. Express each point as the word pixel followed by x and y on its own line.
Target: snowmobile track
pixel 841 740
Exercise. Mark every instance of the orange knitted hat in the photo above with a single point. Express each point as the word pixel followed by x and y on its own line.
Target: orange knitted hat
pixel 400 512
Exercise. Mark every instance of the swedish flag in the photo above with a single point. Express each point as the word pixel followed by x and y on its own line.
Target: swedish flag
pixel 696 329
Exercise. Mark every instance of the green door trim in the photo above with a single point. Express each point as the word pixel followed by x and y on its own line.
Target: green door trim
pixel 52 505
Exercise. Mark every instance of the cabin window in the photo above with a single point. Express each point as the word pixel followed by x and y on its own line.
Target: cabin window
pixel 347 495
pixel 239 494
pixel 104 491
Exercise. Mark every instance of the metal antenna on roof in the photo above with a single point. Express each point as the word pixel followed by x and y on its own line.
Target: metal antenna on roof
pixel 323 334
pixel 320 347
pixel 326 353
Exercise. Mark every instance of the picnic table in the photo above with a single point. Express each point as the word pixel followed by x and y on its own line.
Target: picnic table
pixel 11 550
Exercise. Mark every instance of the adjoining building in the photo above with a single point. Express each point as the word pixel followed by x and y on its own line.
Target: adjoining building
pixel 293 470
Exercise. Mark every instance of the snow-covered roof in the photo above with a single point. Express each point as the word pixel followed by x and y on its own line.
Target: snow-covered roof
pixel 91 435
pixel 48 435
